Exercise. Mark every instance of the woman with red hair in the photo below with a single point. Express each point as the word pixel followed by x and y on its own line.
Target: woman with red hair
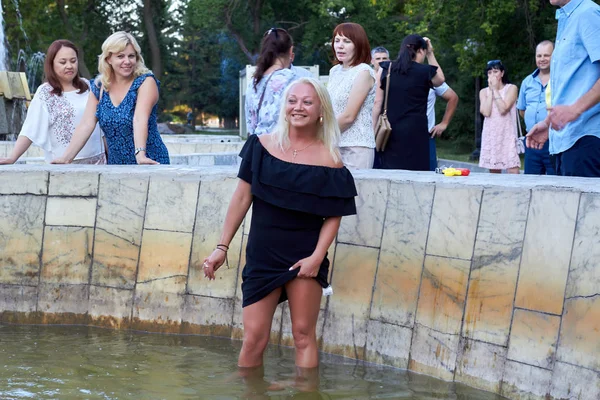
pixel 351 87
pixel 57 108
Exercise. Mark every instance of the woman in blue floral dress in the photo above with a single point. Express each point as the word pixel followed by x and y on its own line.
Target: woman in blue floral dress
pixel 123 101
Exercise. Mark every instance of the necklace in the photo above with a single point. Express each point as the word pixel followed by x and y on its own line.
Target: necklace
pixel 296 151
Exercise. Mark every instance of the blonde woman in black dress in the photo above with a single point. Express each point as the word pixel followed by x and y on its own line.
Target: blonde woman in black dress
pixel 299 190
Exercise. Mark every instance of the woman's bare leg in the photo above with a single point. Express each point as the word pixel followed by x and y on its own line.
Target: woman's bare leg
pixel 304 297
pixel 257 318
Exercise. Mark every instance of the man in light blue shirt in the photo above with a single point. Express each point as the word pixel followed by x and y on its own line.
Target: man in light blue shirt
pixel 573 123
pixel 532 107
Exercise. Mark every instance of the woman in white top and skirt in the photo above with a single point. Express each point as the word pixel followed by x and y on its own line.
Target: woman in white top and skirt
pixel 351 86
pixel 57 108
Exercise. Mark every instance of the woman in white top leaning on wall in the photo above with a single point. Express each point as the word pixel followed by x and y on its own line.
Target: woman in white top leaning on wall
pixel 57 108
pixel 352 88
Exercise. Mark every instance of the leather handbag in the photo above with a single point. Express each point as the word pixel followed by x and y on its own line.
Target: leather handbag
pixel 384 128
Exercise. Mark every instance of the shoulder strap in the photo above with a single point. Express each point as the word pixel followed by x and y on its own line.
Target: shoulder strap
pixel 519 128
pixel 387 89
pixel 262 96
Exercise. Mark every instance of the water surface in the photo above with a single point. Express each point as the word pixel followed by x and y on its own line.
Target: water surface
pixel 60 362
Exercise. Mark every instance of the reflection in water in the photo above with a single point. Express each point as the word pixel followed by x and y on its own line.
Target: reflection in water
pixel 44 362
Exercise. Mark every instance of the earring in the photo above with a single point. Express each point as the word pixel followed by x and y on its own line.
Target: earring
pixel 321 120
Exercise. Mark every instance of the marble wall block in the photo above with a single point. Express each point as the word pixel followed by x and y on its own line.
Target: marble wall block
pixel 348 311
pixel 3 150
pixel 164 255
pixel 433 353
pixel 115 261
pixel 67 255
pixel 547 250
pixel 572 382
pixel 579 336
pixel 21 231
pixel 207 316
pixel 73 183
pixel 213 202
pixel 18 182
pixel 388 344
pixel 122 205
pixel 402 253
pixel 495 266
pixel 443 293
pixel 480 365
pixel 158 305
pixel 533 338
pixel 366 227
pixel 71 211
pixel 16 298
pixel 525 382
pixel 110 307
pixel 454 222
pixel 63 304
pixel 172 203
pixel 584 275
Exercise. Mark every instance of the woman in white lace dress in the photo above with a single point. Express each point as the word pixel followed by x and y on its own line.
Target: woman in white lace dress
pixel 272 76
pixel 352 88
pixel 57 108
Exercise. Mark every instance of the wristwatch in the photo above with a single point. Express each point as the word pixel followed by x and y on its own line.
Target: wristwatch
pixel 138 149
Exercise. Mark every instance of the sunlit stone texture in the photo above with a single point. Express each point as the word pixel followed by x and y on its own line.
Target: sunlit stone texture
pixel 67 256
pixel 545 252
pixel 365 228
pixel 69 183
pixel 480 364
pixel 584 275
pixel 21 182
pixel 348 313
pixel 21 231
pixel 495 265
pixel 213 202
pixel 443 292
pixel 454 222
pixel 172 203
pixel 71 211
pixel 533 338
pixel 579 342
pixel 402 253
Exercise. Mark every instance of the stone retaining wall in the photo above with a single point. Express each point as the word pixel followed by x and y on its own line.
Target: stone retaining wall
pixel 493 281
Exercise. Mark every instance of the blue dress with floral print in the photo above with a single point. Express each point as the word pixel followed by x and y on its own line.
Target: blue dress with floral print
pixel 117 124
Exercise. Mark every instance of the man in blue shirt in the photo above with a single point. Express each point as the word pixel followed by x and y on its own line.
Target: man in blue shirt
pixel 573 123
pixel 532 107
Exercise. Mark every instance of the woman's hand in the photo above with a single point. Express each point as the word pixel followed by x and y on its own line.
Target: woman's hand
pixel 142 159
pixel 212 263
pixel 493 82
pixel 61 160
pixel 429 45
pixel 7 161
pixel 309 266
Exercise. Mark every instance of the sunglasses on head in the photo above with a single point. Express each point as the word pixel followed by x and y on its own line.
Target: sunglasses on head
pixel 272 30
pixel 493 62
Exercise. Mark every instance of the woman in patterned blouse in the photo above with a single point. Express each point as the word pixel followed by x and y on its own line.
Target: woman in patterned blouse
pixel 57 108
pixel 272 76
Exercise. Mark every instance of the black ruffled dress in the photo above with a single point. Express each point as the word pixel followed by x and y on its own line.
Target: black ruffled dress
pixel 290 204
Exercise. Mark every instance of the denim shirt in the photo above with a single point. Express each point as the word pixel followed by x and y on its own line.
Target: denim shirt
pixel 532 99
pixel 575 69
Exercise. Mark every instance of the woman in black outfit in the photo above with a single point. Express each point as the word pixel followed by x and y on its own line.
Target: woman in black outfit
pixel 299 190
pixel 408 145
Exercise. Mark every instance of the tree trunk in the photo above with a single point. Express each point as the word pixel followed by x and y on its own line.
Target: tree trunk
pixel 155 55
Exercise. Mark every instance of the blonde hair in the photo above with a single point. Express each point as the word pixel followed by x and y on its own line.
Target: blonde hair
pixel 328 132
pixel 116 43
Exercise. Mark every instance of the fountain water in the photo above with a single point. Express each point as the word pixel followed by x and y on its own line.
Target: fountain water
pixel 3 54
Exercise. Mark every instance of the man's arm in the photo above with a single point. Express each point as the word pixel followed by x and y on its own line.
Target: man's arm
pixel 562 115
pixel 451 103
